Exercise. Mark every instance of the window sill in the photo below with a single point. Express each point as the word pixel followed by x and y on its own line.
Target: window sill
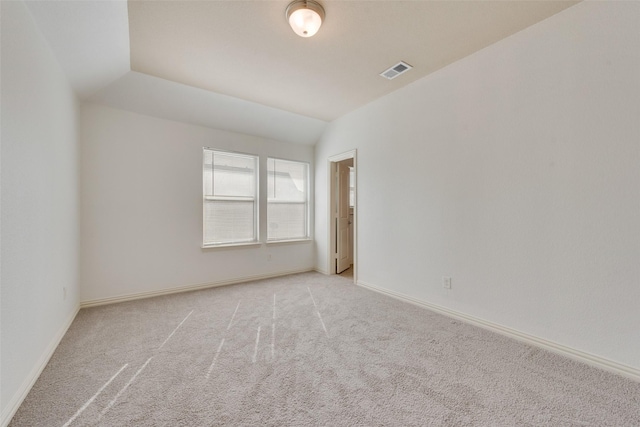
pixel 286 242
pixel 232 245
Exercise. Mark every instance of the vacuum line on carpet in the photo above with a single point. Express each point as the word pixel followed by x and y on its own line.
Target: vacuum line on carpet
pixel 215 358
pixel 126 386
pixel 234 315
pixel 174 331
pixel 273 327
pixel 90 401
pixel 255 350
pixel 273 339
pixel 318 312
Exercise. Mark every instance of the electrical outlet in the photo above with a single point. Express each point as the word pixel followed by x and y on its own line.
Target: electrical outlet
pixel 446 282
pixel 268 257
pixel 64 292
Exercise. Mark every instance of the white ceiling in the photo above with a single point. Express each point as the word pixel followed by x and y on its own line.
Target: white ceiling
pixel 246 49
pixel 89 38
pixel 237 65
pixel 157 97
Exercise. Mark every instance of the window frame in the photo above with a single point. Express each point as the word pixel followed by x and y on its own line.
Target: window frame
pixel 307 203
pixel 255 199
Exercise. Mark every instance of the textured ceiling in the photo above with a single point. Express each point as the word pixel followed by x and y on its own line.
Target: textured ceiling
pixel 246 49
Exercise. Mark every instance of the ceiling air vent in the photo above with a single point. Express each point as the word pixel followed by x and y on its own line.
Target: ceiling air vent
pixel 396 70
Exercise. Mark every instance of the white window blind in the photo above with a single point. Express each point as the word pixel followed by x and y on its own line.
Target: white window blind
pixel 230 201
pixel 287 201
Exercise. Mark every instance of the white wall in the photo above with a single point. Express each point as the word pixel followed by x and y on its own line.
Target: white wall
pixel 141 207
pixel 39 204
pixel 516 171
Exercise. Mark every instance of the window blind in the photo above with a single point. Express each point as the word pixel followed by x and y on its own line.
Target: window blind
pixel 230 201
pixel 287 201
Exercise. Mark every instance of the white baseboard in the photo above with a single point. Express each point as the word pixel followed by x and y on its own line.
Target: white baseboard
pixel 187 288
pixel 321 271
pixel 10 409
pixel 563 350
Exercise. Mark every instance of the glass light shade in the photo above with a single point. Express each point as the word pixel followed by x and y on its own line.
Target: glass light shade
pixel 305 17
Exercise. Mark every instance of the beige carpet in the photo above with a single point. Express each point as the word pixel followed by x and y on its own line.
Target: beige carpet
pixel 309 350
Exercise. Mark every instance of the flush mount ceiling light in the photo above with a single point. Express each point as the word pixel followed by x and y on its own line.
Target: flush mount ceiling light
pixel 305 17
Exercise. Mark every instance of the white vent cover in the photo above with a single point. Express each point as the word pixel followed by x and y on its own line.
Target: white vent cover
pixel 393 72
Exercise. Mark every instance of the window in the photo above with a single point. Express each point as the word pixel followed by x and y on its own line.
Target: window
pixel 352 180
pixel 230 198
pixel 287 201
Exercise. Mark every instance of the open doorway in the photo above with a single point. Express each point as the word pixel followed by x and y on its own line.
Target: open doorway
pixel 342 248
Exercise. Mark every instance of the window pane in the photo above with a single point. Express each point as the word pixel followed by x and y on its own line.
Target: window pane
pixel 207 173
pixel 228 221
pixel 352 196
pixel 287 221
pixel 233 175
pixel 287 180
pixel 287 204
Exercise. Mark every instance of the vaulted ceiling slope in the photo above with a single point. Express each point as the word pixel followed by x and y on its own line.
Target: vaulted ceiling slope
pixel 157 97
pixel 90 39
pixel 237 65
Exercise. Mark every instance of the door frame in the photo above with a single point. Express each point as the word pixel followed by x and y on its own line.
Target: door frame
pixel 332 193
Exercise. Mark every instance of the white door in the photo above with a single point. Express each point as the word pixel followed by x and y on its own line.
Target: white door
pixel 342 220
